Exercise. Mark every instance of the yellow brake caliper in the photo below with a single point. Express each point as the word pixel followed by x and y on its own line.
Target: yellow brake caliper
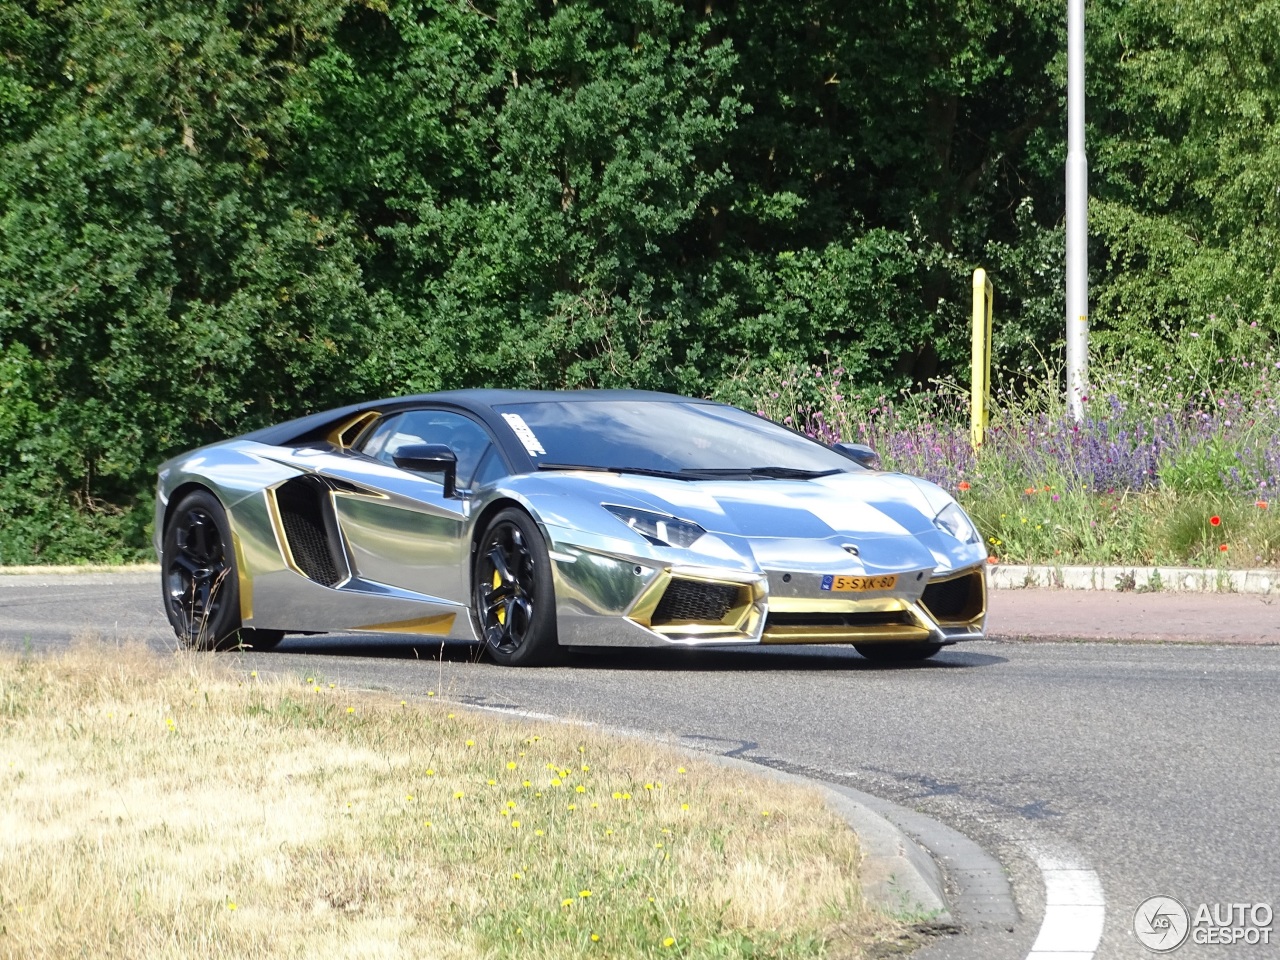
pixel 502 611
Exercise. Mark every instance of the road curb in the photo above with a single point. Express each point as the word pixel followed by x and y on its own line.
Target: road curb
pixel 1013 576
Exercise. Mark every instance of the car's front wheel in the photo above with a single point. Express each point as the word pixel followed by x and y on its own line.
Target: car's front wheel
pixel 513 592
pixel 897 652
pixel 201 588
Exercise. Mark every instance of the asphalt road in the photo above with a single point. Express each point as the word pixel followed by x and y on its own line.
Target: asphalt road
pixel 1154 765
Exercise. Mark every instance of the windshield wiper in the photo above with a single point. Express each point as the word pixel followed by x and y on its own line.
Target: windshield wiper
pixel 764 473
pixel 642 471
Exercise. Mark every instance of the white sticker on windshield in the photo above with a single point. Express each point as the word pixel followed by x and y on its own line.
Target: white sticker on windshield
pixel 516 423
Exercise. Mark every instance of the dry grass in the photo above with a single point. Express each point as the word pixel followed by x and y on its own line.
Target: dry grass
pixel 172 807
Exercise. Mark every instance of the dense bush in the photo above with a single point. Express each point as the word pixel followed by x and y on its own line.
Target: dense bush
pixel 218 214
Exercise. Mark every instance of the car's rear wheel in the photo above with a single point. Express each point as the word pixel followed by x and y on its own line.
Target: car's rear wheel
pixel 897 652
pixel 513 592
pixel 200 584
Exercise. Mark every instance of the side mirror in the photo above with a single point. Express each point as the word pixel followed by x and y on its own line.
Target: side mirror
pixel 859 453
pixel 429 458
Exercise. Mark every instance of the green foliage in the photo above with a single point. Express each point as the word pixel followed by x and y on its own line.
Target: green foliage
pixel 216 215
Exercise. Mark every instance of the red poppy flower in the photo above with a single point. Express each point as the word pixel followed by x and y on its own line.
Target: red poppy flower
pixel 1223 548
pixel 963 485
pixel 1030 491
pixel 1261 504
pixel 1215 521
pixel 993 559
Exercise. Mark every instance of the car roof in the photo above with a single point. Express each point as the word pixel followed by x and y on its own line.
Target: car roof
pixel 478 401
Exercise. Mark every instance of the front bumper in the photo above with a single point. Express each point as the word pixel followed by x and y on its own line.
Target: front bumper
pixel 611 601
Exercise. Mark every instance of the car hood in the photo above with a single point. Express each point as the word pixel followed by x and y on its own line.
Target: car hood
pixel 867 505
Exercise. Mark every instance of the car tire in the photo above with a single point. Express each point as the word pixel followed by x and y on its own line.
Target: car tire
pixel 897 652
pixel 513 594
pixel 200 585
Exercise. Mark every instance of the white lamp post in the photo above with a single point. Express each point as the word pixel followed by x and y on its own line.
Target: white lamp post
pixel 1077 217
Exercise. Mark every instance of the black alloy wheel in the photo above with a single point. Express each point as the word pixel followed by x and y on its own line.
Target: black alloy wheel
pixel 897 652
pixel 201 588
pixel 514 595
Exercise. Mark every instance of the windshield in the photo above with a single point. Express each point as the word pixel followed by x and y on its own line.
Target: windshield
pixel 683 438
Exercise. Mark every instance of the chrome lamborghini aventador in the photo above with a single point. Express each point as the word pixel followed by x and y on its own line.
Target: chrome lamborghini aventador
pixel 535 521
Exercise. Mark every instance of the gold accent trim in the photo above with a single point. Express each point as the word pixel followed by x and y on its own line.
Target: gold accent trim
pixel 835 605
pixel 642 610
pixel 345 433
pixel 437 625
pixel 839 633
pixel 243 578
pixel 277 526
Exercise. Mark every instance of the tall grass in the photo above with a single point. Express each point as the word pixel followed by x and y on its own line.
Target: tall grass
pixel 177 808
pixel 1174 462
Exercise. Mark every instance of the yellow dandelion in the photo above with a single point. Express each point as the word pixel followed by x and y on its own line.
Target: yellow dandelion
pixel 517 876
pixel 586 768
pixel 430 772
pixel 404 703
pixel 253 673
pixel 573 806
pixel 538 833
pixel 511 764
pixel 555 781
pixel 431 693
pixel 684 806
pixel 617 795
pixel 409 798
pixel 595 938
pixel 527 783
pixel 584 894
pixel 608 833
pixel 493 783
pixel 566 902
pixel 458 794
pixel 471 743
pixel 311 679
pixel 231 904
pixel 511 804
pixel 451 716
pixel 351 709
pixel 595 806
pixel 680 770
pixel 669 942
pixel 332 685
pixel 764 813
pixel 515 824
pixel 580 788
pixel 427 824
pixel 648 786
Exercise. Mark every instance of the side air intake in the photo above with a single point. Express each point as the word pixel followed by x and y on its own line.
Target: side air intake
pixel 310 532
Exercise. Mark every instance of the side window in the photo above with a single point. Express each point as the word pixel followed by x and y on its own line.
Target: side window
pixel 491 468
pixel 466 438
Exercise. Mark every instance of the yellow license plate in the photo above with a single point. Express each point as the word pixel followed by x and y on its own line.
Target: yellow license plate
pixel 859 584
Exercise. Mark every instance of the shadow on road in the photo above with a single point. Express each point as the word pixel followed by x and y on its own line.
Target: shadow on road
pixel 723 659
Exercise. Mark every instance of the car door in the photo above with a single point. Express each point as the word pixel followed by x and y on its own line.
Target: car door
pixel 399 527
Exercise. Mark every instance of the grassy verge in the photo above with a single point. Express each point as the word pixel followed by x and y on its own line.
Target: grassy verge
pixel 173 807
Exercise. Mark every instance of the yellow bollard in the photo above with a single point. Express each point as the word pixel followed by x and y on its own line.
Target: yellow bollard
pixel 980 384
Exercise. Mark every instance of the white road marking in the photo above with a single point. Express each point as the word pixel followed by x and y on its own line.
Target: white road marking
pixel 1074 909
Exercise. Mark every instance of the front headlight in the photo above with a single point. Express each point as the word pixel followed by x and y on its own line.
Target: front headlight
pixel 658 528
pixel 953 520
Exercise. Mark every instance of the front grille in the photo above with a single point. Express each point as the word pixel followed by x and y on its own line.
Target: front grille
pixel 872 619
pixel 692 600
pixel 957 600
